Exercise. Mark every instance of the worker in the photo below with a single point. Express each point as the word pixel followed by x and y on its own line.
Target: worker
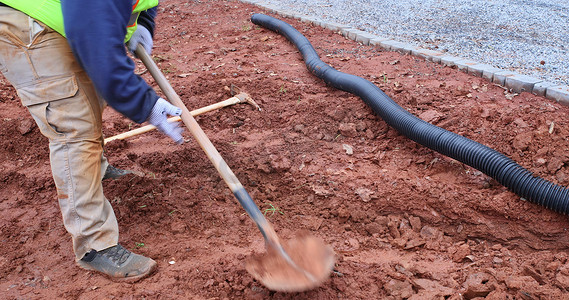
pixel 66 58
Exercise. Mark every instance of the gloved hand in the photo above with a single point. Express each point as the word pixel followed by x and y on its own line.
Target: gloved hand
pixel 158 117
pixel 140 36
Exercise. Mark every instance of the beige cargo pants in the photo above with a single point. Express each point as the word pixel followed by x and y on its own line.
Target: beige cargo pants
pixel 38 62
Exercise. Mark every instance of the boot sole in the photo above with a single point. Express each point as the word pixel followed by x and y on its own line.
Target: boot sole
pixel 130 279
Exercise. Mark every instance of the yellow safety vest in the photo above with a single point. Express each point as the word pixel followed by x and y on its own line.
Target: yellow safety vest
pixel 49 12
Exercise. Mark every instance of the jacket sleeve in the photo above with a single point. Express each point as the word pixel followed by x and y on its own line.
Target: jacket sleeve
pixel 146 19
pixel 95 31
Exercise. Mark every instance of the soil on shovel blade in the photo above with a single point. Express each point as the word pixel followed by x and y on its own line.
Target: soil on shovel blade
pixel 405 222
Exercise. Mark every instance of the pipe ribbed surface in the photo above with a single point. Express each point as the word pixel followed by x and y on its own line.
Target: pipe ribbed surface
pixel 489 161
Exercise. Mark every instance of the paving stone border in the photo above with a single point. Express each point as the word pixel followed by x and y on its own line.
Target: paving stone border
pixel 513 81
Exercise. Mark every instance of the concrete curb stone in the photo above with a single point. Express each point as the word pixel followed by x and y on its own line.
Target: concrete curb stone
pixel 407 48
pixel 516 82
pixel 540 88
pixel 391 45
pixel 386 44
pixel 377 41
pixel 450 60
pixel 521 83
pixel 559 93
pixel 307 19
pixel 365 38
pixel 464 64
pixel 431 55
pixel 334 26
pixel 272 9
pixel 344 31
pixel 500 77
pixel 282 13
pixel 485 71
pixel 401 47
pixel 313 20
pixel 353 33
pixel 479 70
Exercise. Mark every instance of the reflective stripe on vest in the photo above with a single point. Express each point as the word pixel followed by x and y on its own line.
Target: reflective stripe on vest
pixel 49 12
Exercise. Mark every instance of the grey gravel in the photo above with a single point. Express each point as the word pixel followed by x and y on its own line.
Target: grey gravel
pixel 528 37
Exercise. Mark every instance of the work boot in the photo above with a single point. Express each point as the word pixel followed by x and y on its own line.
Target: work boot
pixel 114 173
pixel 118 263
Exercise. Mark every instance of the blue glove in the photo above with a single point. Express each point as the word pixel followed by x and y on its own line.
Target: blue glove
pixel 158 117
pixel 140 36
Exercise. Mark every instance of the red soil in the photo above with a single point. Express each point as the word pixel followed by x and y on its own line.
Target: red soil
pixel 404 221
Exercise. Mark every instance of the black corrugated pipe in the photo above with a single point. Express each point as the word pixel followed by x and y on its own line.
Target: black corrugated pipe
pixel 489 161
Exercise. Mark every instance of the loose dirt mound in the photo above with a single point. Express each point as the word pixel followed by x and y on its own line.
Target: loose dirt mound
pixel 404 221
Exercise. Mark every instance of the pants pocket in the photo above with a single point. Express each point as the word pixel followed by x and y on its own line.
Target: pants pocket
pixel 60 108
pixel 39 113
pixel 48 90
pixel 36 28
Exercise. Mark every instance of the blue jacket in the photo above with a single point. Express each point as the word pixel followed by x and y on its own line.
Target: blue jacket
pixel 95 31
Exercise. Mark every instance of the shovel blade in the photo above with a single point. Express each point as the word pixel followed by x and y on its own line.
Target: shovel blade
pixel 309 253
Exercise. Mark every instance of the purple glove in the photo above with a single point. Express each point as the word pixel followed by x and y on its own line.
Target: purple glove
pixel 158 117
pixel 140 36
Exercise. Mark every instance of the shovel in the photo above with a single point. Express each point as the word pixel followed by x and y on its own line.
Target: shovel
pixel 303 263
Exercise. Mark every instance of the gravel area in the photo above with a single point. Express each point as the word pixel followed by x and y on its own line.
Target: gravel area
pixel 529 37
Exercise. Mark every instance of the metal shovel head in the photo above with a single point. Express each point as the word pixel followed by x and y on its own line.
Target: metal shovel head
pixel 314 262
